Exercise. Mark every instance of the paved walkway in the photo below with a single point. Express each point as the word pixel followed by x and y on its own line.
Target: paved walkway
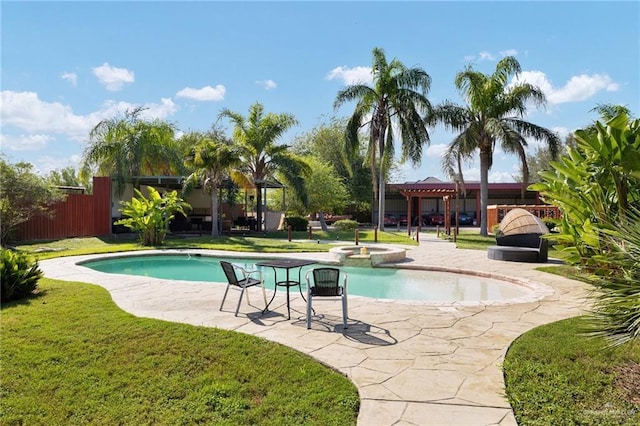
pixel 414 363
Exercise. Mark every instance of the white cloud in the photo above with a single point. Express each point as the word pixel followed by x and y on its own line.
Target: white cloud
pixel 24 142
pixel 206 93
pixel 71 77
pixel 501 176
pixel 486 56
pixel 561 131
pixel 113 78
pixel 47 163
pixel 268 84
pixel 509 52
pixel 27 112
pixel 357 75
pixel 578 88
pixel 437 150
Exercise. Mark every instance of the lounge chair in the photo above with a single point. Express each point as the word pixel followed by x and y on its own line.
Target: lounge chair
pixel 245 282
pixel 326 283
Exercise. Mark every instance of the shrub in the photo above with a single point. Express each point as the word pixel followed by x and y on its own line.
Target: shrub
pixel 346 225
pixel 20 275
pixel 297 223
pixel 150 217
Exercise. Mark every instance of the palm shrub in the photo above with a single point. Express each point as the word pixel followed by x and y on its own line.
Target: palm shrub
pixel 150 217
pixel 617 307
pixel 20 275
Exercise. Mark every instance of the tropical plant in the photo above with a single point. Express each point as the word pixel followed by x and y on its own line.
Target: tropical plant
pixel 211 161
pixel 20 275
pixel 150 217
pixel 397 99
pixel 493 114
pixel 594 185
pixel 128 147
pixel 260 157
pixel 617 307
pixel 24 195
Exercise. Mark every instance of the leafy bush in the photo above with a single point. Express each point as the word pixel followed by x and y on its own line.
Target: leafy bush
pixel 346 225
pixel 150 217
pixel 297 223
pixel 20 275
pixel 594 185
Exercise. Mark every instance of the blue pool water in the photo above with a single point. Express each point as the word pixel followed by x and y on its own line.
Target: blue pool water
pixel 381 283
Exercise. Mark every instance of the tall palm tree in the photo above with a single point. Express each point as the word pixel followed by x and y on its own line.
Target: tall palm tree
pixel 126 147
pixel 493 114
pixel 211 160
pixel 397 99
pixel 260 157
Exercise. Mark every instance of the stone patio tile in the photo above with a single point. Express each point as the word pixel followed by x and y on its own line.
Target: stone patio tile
pixel 381 412
pixel 441 414
pixel 426 385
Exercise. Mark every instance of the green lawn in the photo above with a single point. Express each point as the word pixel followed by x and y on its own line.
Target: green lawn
pixel 72 340
pixel 555 375
pixel 70 356
pixel 274 242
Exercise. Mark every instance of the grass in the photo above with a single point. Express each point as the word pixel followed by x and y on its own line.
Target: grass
pixel 274 242
pixel 70 356
pixel 555 375
pixel 471 240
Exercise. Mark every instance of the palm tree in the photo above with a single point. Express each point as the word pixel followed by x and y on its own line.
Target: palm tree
pixel 260 157
pixel 397 99
pixel 493 113
pixel 127 147
pixel 211 160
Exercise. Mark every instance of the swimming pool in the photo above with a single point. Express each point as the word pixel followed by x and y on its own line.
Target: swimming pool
pixel 379 283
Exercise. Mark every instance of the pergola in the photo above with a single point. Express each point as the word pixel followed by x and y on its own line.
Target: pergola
pixel 420 193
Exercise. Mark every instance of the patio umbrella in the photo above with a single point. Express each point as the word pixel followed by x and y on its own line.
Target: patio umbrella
pixel 520 221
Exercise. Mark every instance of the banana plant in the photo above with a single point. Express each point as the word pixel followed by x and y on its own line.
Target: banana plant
pixel 150 217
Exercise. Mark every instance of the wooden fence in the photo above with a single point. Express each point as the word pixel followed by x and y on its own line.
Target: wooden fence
pixel 80 215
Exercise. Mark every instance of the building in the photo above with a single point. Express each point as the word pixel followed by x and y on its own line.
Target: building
pixel 411 200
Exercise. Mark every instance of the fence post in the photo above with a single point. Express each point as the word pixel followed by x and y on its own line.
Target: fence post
pixel 375 234
pixel 357 236
pixel 418 229
pixel 289 232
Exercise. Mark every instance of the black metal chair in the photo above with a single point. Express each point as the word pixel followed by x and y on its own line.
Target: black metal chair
pixel 326 283
pixel 245 282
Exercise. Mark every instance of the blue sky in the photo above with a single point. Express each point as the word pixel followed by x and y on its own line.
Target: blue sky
pixel 67 65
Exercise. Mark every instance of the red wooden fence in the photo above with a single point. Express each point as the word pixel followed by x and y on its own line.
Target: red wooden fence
pixel 80 215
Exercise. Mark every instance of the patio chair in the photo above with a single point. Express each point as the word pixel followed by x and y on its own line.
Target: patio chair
pixel 326 283
pixel 245 282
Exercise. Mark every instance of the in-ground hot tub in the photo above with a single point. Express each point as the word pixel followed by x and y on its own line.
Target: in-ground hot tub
pixel 356 255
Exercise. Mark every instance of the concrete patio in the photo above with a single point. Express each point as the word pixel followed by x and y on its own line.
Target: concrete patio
pixel 414 363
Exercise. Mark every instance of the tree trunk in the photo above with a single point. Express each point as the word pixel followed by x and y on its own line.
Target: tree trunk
pixel 381 196
pixel 484 190
pixel 258 208
pixel 323 223
pixel 214 213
